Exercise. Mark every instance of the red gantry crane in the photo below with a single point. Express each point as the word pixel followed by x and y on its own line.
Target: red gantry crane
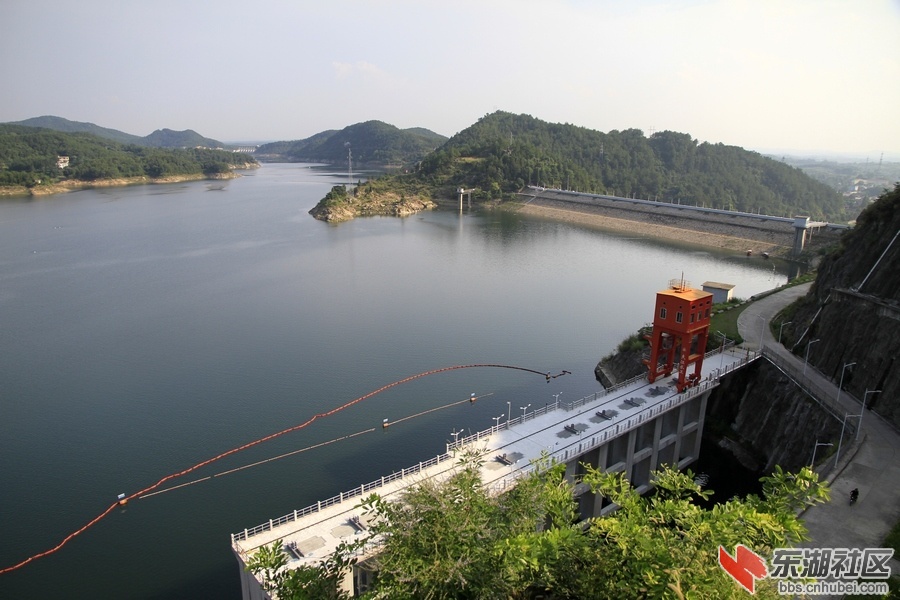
pixel 680 325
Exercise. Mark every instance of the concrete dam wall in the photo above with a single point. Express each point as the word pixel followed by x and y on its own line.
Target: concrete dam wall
pixel 775 235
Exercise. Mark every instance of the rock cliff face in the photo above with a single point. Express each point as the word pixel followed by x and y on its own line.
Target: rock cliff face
pixel 619 367
pixel 853 310
pixel 765 420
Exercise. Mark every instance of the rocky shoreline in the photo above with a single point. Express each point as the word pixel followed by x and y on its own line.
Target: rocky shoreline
pixel 338 208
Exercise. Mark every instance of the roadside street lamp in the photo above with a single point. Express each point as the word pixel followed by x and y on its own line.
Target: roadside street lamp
pixel 722 351
pixel 556 397
pixel 455 435
pixel 812 463
pixel 806 361
pixel 762 328
pixel 837 454
pixel 780 329
pixel 524 408
pixel 497 421
pixel 508 409
pixel 841 384
pixel 863 410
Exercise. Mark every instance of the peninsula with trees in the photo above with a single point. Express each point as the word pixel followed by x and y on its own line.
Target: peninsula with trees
pixel 40 161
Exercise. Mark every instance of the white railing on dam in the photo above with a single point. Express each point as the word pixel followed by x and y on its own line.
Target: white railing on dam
pixel 585 197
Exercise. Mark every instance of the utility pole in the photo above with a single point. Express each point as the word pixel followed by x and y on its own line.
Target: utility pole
pixel 349 165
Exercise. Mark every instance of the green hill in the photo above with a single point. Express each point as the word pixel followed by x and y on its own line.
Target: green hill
pixel 67 126
pixel 166 138
pixel 371 143
pixel 161 138
pixel 29 158
pixel 502 153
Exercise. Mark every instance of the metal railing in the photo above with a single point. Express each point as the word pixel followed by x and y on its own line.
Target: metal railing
pixel 821 395
pixel 357 491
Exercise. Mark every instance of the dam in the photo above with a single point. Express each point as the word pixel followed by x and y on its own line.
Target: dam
pixel 632 427
pixel 778 235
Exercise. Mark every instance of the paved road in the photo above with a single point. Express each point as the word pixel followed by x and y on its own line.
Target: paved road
pixel 872 464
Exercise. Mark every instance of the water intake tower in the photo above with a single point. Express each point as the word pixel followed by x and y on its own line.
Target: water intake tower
pixel 680 325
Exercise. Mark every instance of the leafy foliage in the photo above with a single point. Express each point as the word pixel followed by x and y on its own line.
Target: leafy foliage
pixel 503 152
pixel 28 156
pixel 319 582
pixel 457 540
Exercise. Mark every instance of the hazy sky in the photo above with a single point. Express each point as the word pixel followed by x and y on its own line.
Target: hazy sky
pixel 801 75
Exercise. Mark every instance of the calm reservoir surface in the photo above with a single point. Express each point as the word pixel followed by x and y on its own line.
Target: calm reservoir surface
pixel 146 329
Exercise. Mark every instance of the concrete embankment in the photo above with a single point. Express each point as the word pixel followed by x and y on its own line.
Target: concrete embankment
pixel 665 222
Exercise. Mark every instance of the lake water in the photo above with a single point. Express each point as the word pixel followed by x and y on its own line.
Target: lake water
pixel 145 329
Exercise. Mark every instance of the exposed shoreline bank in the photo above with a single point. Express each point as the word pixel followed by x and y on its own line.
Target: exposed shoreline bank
pixel 76 185
pixel 652 230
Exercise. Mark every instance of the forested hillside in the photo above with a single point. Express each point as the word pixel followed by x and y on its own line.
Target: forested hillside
pixel 168 138
pixel 161 138
pixel 28 157
pixel 503 152
pixel 371 143
pixel 853 310
pixel 67 126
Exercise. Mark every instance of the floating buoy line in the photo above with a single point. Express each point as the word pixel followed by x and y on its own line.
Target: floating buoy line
pixel 153 490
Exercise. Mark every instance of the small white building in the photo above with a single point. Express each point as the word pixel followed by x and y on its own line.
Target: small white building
pixel 721 291
pixel 62 162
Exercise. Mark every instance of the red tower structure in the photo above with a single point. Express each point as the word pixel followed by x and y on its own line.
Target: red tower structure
pixel 680 325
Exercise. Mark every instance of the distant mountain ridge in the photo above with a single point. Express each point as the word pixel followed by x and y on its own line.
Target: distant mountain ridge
pixel 369 143
pixel 161 138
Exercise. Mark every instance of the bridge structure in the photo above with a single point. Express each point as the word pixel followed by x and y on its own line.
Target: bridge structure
pixel 632 427
pixel 794 232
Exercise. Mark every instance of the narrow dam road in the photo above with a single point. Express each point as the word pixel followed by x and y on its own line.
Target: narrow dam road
pixel 870 464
